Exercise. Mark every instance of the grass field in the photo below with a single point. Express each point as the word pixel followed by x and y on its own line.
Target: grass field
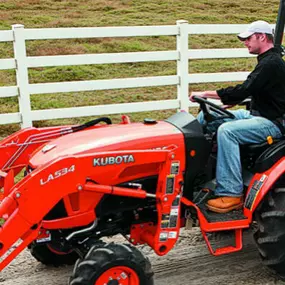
pixel 99 13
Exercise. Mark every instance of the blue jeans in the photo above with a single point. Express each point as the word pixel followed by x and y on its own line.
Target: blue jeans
pixel 244 129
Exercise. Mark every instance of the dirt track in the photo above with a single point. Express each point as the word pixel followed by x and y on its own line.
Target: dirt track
pixel 189 263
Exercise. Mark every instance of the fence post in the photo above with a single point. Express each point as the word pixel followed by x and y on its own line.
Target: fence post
pixel 182 65
pixel 22 75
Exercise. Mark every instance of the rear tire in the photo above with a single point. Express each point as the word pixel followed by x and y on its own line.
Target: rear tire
pixel 47 255
pixel 270 233
pixel 111 263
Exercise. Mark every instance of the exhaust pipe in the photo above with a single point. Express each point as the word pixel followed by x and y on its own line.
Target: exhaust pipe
pixel 279 28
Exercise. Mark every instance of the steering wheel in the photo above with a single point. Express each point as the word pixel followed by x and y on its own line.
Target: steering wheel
pixel 207 106
pixel 91 123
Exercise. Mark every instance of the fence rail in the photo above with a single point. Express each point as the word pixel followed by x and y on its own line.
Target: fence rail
pixel 182 31
pixel 74 86
pixel 104 32
pixel 6 36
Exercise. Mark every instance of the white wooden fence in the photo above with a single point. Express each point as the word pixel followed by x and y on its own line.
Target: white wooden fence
pixel 21 62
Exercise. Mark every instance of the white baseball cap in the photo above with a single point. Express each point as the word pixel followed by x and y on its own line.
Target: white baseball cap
pixel 261 27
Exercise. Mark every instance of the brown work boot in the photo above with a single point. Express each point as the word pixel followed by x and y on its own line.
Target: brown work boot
pixel 224 204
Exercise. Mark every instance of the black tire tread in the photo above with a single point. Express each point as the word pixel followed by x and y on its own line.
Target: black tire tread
pixel 44 255
pixel 270 235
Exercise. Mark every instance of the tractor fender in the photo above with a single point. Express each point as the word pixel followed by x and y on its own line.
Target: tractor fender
pixel 260 184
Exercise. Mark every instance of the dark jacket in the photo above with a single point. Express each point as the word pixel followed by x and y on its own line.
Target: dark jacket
pixel 265 84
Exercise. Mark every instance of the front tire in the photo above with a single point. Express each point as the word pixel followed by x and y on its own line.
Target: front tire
pixel 111 265
pixel 270 234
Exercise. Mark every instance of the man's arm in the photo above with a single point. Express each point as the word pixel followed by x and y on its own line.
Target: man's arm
pixel 232 95
pixel 204 94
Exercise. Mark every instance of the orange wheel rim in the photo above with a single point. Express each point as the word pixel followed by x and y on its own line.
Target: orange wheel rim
pixel 118 275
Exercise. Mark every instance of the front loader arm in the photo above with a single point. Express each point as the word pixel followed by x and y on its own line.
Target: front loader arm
pixel 27 202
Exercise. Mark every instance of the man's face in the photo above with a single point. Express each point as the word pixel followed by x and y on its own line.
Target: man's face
pixel 254 43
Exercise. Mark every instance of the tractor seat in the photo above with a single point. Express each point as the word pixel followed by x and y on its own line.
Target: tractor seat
pixel 260 157
pixel 256 149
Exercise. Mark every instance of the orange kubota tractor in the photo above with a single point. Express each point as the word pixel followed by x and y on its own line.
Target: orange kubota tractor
pixel 142 180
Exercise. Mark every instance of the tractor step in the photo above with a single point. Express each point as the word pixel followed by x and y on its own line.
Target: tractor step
pixel 217 222
pixel 225 249
pixel 213 217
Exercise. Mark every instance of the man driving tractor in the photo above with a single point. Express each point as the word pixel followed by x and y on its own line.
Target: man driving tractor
pixel 266 87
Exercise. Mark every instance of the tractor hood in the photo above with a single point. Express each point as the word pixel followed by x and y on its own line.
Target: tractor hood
pixel 109 138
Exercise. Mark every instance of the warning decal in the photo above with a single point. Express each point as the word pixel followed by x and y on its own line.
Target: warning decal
pixel 175 167
pixel 256 186
pixel 170 184
pixel 163 236
pixel 165 221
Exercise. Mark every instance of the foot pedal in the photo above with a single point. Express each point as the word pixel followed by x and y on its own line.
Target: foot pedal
pixel 226 249
pixel 202 196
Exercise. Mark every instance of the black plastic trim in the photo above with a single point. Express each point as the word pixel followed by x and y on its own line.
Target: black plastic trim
pixel 195 140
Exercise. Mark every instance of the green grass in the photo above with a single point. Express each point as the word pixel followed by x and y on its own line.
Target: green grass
pixel 100 13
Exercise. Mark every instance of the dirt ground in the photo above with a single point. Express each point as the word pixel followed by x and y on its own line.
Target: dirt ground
pixel 188 263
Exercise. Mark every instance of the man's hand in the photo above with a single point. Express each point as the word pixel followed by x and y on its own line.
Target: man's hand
pixel 198 94
pixel 227 106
